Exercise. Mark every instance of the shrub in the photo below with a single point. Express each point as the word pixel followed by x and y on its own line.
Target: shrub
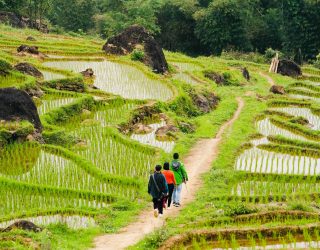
pixel 137 55
pixel 5 66
pixel 228 80
pixel 250 57
pixel 300 207
pixel 238 209
pixel 271 53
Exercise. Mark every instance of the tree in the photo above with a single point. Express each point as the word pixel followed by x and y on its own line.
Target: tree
pixel 177 28
pixel 142 12
pixel 222 26
pixel 73 15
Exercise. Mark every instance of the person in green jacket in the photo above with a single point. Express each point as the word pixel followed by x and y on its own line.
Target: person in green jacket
pixel 181 176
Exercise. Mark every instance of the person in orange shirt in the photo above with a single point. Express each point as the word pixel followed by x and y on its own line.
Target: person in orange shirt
pixel 171 181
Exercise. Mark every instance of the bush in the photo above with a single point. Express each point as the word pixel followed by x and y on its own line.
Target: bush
pixel 5 66
pixel 137 55
pixel 228 80
pixel 271 53
pixel 238 209
pixel 250 57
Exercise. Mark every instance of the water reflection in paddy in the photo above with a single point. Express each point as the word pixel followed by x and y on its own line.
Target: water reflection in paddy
pixel 150 138
pixel 119 79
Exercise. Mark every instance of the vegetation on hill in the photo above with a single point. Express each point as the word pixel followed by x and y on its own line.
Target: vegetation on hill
pixel 193 27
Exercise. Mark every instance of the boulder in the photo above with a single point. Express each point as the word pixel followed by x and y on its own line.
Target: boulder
pixel 137 36
pixel 217 78
pixel 140 128
pixel 187 127
pixel 289 68
pixel 277 89
pixel 87 73
pixel 246 74
pixel 29 69
pixel 28 49
pixel 19 21
pixel 166 133
pixel 18 105
pixel 31 38
pixel 205 101
pixel 23 225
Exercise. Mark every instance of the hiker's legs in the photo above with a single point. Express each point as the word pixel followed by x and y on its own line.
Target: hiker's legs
pixel 160 206
pixel 177 193
pixel 155 203
pixel 171 188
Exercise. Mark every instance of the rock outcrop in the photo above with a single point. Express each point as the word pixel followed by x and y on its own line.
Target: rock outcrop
pixel 205 102
pixel 17 105
pixel 19 21
pixel 29 69
pixel 217 78
pixel 166 133
pixel 277 89
pixel 289 68
pixel 23 225
pixel 245 73
pixel 28 49
pixel 138 37
pixel 87 73
pixel 31 38
pixel 141 128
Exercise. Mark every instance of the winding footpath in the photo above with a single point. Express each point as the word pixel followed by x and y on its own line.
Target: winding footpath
pixel 198 161
pixel 268 78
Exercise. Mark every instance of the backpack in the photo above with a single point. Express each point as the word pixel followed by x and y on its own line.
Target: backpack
pixel 176 165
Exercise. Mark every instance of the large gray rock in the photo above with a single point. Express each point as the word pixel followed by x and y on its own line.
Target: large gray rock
pixel 289 68
pixel 23 225
pixel 137 36
pixel 277 89
pixel 17 105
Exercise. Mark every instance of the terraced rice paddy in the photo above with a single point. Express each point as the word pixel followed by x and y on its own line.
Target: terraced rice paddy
pixel 260 161
pixel 119 79
pixel 72 221
pixel 303 112
pixel 106 151
pixel 48 75
pixel 266 188
pixel 266 128
pixel 185 72
pixel 48 105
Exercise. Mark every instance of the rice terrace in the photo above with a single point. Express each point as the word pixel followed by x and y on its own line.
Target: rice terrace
pixel 95 97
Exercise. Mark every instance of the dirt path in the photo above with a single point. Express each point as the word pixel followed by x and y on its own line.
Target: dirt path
pixel 269 79
pixel 198 161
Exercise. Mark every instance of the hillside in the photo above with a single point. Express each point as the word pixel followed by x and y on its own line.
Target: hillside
pixel 88 174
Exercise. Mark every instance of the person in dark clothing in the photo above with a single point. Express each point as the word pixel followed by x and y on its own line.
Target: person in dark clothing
pixel 171 181
pixel 158 189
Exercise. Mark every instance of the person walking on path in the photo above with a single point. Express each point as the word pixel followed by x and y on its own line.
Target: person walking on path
pixel 180 175
pixel 171 181
pixel 158 189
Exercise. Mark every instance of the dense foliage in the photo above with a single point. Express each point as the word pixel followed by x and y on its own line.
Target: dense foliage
pixel 192 26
